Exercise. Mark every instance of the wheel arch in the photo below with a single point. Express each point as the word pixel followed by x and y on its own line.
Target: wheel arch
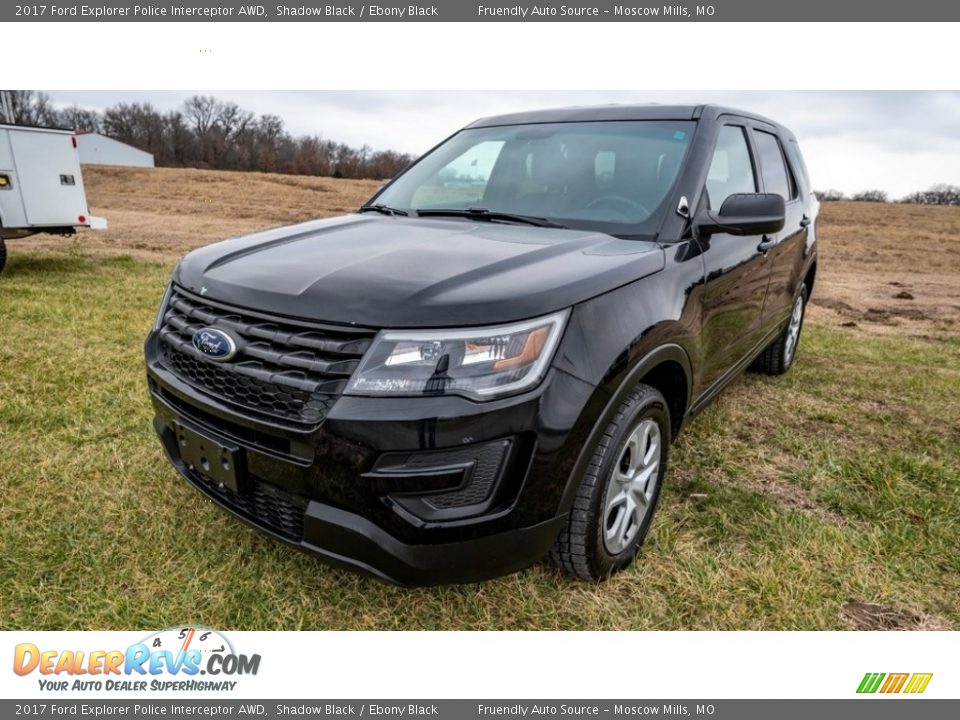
pixel 666 368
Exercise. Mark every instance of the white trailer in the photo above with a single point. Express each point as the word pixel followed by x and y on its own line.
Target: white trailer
pixel 41 188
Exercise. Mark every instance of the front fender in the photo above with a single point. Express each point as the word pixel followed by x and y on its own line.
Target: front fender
pixel 608 397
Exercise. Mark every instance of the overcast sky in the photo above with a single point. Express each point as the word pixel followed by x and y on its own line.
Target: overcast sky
pixel 894 141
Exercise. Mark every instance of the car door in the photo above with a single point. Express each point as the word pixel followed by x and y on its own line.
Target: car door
pixel 737 271
pixel 785 249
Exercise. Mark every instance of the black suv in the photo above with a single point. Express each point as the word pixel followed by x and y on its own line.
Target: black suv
pixel 487 363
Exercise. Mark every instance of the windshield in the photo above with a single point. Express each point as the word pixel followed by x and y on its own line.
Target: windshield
pixel 607 176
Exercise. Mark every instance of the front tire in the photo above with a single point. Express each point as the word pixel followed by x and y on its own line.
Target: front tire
pixel 777 358
pixel 618 494
pixel 3 253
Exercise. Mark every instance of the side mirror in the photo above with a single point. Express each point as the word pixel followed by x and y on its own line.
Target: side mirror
pixel 744 214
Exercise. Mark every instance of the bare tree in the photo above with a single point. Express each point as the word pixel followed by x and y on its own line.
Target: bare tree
pixel 940 194
pixel 26 107
pixel 80 119
pixel 267 137
pixel 231 123
pixel 201 112
pixel 828 195
pixel 179 142
pixel 870 196
pixel 138 124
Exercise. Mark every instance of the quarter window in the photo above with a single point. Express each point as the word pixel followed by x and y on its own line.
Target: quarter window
pixel 731 170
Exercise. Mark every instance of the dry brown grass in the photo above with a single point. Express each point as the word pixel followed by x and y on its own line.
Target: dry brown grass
pixel 885 268
pixel 161 213
pixel 890 268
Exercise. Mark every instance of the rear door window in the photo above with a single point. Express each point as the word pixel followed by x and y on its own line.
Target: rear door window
pixel 776 178
pixel 731 169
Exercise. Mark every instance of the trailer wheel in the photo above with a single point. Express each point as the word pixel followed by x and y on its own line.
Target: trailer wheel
pixel 3 253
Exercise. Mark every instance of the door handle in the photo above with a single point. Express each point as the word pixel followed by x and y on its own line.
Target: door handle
pixel 805 221
pixel 765 244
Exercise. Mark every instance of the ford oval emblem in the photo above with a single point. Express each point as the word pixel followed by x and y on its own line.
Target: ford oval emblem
pixel 214 344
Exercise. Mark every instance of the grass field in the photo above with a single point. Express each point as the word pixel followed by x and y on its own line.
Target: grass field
pixel 829 498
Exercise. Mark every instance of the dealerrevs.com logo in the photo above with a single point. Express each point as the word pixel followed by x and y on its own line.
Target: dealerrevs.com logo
pixel 178 659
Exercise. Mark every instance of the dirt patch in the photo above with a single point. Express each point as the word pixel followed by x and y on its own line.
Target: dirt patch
pixel 871 616
pixel 772 486
pixel 869 248
pixel 838 306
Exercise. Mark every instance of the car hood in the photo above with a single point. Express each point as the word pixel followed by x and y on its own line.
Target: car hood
pixel 379 271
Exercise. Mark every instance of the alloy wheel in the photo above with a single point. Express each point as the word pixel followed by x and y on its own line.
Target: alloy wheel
pixel 632 486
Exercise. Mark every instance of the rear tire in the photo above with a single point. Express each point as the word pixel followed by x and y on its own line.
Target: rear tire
pixel 780 354
pixel 617 496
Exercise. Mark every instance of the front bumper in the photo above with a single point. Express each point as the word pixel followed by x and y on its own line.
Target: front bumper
pixel 356 490
pixel 349 540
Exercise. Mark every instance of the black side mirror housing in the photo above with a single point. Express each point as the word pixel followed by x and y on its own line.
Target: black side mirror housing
pixel 744 214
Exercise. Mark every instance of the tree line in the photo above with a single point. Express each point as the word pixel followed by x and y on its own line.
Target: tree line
pixel 940 194
pixel 207 133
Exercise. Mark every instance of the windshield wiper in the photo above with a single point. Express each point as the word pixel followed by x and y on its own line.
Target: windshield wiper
pixel 478 213
pixel 382 209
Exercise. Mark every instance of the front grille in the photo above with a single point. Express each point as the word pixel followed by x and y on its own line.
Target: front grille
pixel 262 504
pixel 283 368
pixel 247 435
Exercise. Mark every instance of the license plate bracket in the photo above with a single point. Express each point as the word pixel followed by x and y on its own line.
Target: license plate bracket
pixel 221 462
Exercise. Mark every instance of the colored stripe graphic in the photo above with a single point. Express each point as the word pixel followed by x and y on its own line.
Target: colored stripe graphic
pixel 894 683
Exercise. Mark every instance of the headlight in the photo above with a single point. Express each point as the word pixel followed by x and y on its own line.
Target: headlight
pixel 479 363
